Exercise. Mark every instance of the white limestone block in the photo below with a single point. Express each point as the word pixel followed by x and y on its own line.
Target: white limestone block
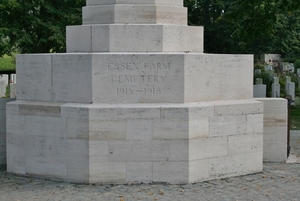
pixel 139 151
pixel 208 148
pixel 102 112
pixel 98 151
pixel 139 129
pixel 80 38
pixel 237 107
pixel 215 79
pixel 198 128
pixel 275 144
pixel 160 2
pixel 138 78
pixel 218 167
pixel 275 129
pixel 16 153
pixel 107 130
pixel 176 112
pixel 71 73
pixel 237 77
pixel 78 174
pixel 75 110
pixel 273 103
pixel 143 78
pixel 135 38
pixel 242 164
pixel 53 127
pixel 170 129
pixel 48 170
pixel 77 157
pixel 255 123
pixel 77 129
pixel 254 162
pixel 138 112
pixel 36 80
pixel 201 110
pixel 138 172
pixel 12 107
pixel 199 170
pixel 179 150
pixel 40 109
pixel 134 13
pixel 171 172
pixel 228 125
pixel 15 124
pixel 110 172
pixel 243 144
pixel 43 149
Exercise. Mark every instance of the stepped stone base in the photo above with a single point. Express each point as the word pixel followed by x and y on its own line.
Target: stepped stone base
pixel 135 38
pixel 121 143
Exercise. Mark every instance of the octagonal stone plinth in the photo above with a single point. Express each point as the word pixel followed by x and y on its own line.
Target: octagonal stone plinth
pixel 134 78
pixel 157 2
pixel 134 143
pixel 134 38
pixel 134 14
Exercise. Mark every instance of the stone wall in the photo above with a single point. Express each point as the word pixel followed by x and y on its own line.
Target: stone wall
pixel 275 129
pixel 3 102
pixel 173 143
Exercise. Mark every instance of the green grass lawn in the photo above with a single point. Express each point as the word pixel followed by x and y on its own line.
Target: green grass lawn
pixel 295 118
pixel 7 63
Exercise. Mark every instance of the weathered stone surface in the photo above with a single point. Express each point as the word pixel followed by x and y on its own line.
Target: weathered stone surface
pixel 120 143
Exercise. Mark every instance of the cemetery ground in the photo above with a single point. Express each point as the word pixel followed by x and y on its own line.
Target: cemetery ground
pixel 295 118
pixel 7 63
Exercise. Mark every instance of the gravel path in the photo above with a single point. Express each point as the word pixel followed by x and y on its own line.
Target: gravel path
pixel 278 181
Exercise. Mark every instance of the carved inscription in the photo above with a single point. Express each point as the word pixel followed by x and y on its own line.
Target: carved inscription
pixel 146 91
pixel 137 78
pixel 138 66
pixel 134 72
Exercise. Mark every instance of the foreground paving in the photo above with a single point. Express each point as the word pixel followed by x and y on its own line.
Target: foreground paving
pixel 276 182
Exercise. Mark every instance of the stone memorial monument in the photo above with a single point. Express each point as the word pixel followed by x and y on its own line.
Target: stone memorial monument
pixel 134 99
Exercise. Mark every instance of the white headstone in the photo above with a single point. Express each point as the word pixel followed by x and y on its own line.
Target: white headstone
pixel 268 68
pixel 291 89
pixel 259 91
pixel 275 87
pixel 12 90
pixel 5 78
pixel 287 80
pixel 257 71
pixel 298 71
pixel 2 88
pixel 258 81
pixel 291 68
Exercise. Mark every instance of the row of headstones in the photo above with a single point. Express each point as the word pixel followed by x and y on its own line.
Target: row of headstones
pixel 260 89
pixel 288 67
pixel 5 81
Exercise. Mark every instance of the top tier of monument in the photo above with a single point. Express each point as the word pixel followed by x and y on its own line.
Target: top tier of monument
pixel 134 12
pixel 134 26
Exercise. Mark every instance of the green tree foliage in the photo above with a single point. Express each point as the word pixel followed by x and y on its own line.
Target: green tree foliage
pixel 37 26
pixel 217 34
pixel 248 26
